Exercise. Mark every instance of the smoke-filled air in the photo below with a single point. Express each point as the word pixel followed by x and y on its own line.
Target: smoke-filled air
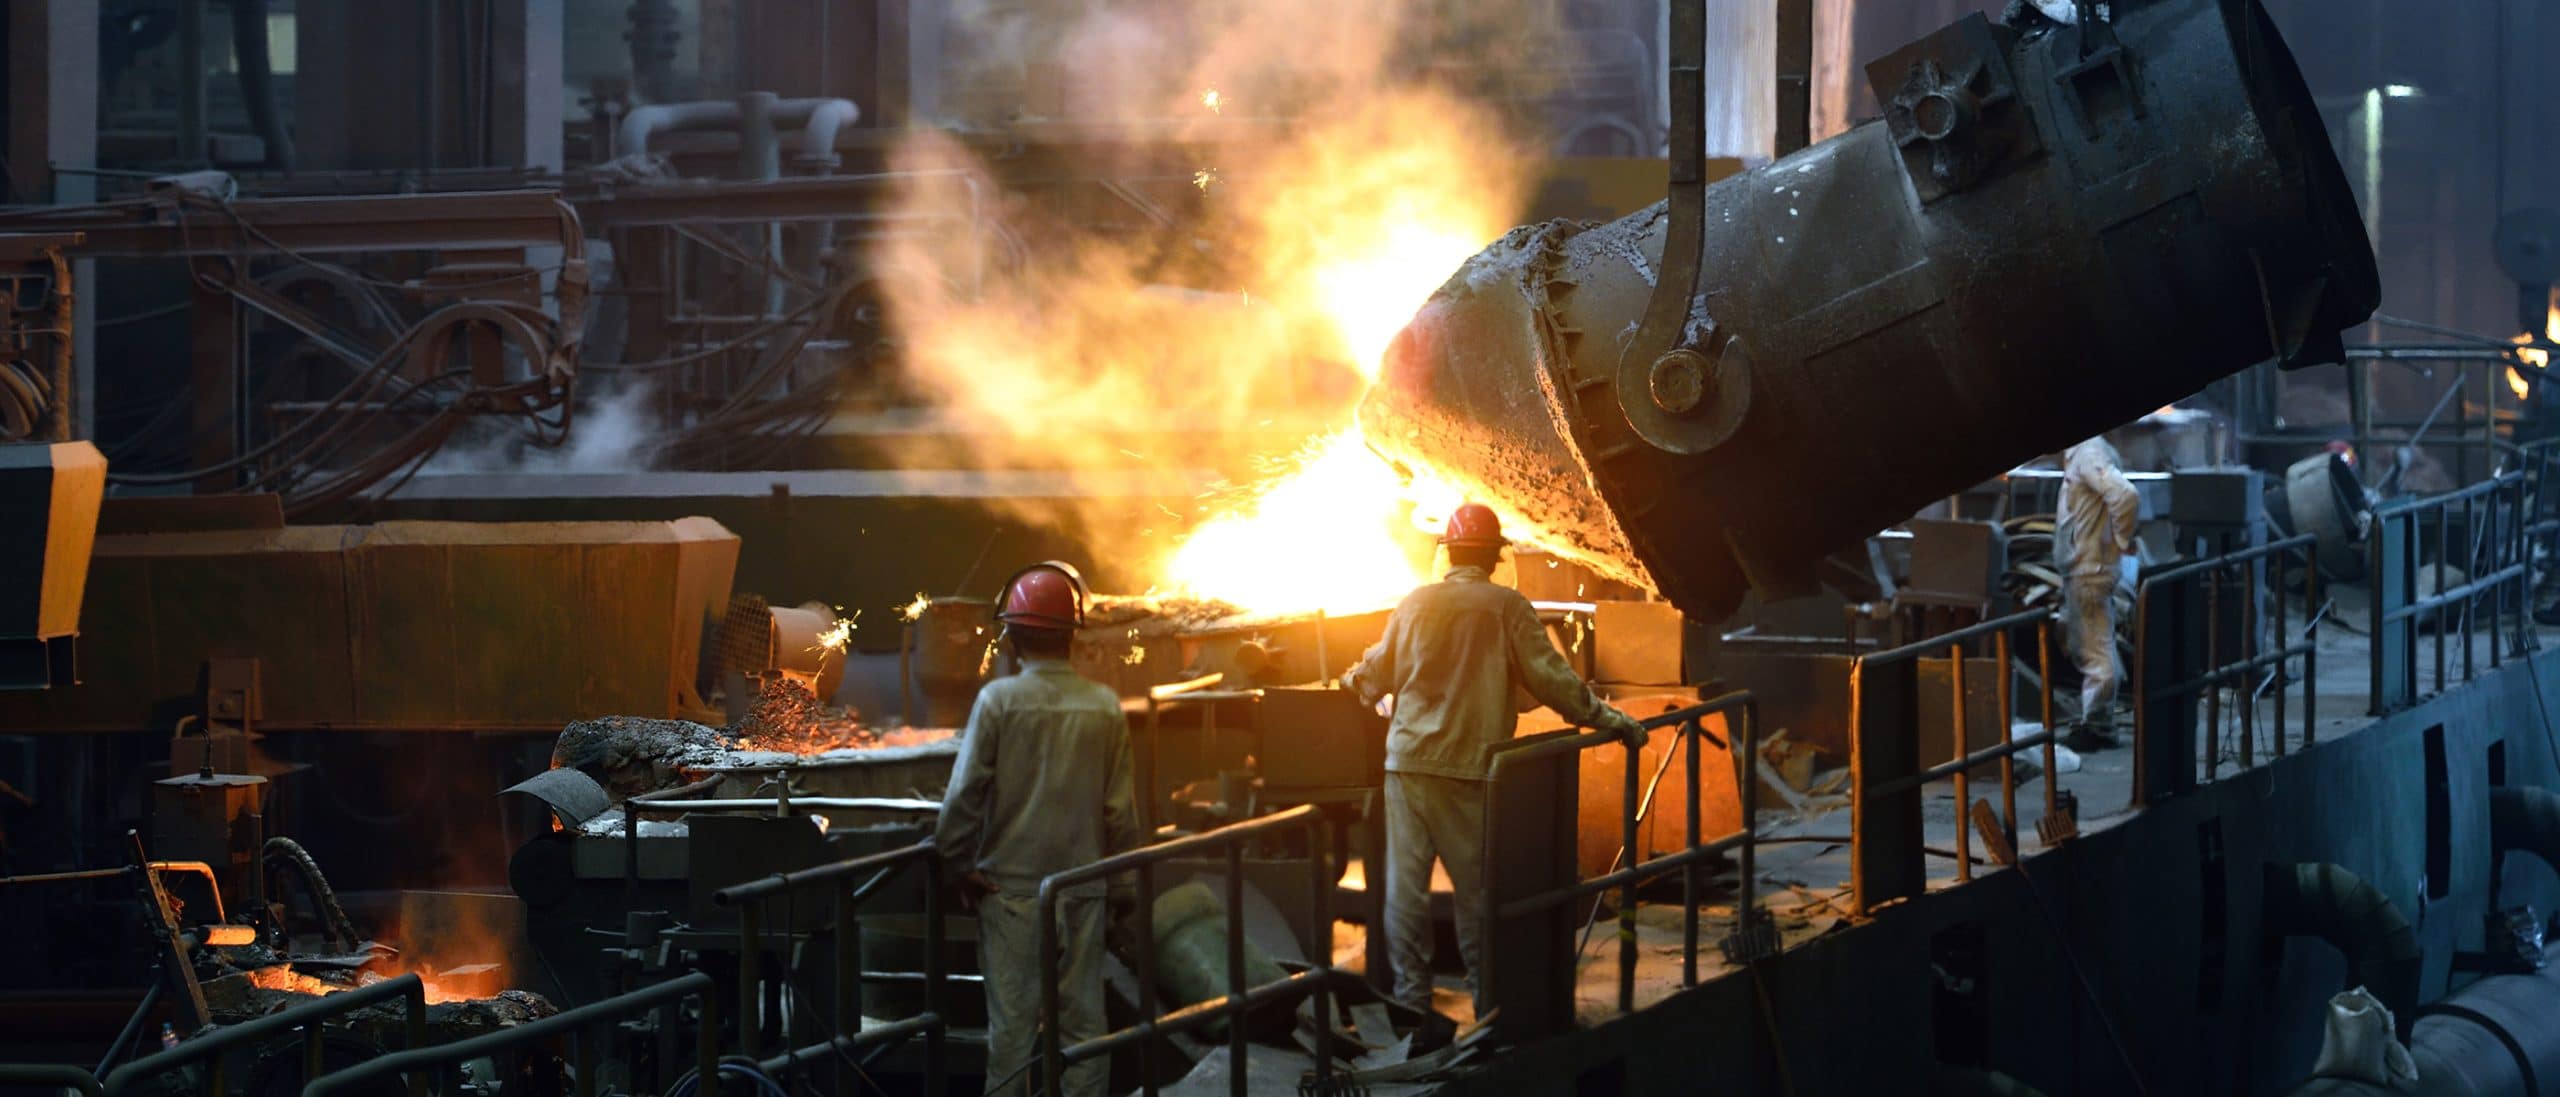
pixel 1343 174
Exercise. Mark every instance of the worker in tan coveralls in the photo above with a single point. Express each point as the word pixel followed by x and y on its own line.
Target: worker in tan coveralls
pixel 1456 656
pixel 1041 786
pixel 2093 545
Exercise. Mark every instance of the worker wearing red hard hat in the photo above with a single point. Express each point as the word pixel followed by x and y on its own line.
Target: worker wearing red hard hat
pixel 1456 656
pixel 1041 786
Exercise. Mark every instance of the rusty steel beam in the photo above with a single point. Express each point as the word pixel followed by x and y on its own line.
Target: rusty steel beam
pixel 458 221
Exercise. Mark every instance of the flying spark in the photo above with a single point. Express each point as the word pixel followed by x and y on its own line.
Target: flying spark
pixel 1212 100
pixel 839 635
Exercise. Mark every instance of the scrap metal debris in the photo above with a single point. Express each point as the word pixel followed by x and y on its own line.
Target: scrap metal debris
pixel 788 717
pixel 1788 777
pixel 1162 612
pixel 630 755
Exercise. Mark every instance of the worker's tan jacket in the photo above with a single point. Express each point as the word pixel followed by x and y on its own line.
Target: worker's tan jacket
pixel 1456 656
pixel 2099 514
pixel 1042 781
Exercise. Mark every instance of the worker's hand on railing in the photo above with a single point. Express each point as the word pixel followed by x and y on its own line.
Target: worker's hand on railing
pixel 1623 726
pixel 973 886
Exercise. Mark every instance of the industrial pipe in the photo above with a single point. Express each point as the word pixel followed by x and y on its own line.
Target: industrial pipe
pixel 827 117
pixel 820 121
pixel 646 121
pixel 2525 819
pixel 2493 1038
pixel 2053 230
pixel 2337 906
pixel 258 82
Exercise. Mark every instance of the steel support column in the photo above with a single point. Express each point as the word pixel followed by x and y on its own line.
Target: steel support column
pixel 53 125
pixel 1885 850
pixel 1795 75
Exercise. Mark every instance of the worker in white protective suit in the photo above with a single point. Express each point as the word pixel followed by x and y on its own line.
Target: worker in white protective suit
pixel 2093 543
pixel 1041 786
pixel 1456 656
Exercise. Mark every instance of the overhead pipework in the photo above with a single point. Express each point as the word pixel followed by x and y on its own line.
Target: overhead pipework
pixel 2054 229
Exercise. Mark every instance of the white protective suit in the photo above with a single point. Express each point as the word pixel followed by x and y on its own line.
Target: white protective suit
pixel 1041 786
pixel 2093 546
pixel 1456 656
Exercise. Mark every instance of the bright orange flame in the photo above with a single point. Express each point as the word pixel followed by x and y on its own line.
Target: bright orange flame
pixel 282 977
pixel 1371 291
pixel 1328 239
pixel 2536 357
pixel 1362 229
pixel 1337 532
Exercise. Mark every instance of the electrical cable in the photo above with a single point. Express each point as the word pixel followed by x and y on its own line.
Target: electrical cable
pixel 1620 857
pixel 573 243
pixel 417 445
pixel 691 1082
pixel 1769 1021
pixel 800 1003
pixel 760 330
pixel 291 473
pixel 371 378
pixel 2079 974
pixel 146 314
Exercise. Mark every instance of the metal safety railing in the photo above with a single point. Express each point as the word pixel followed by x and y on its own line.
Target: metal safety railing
pixel 1885 771
pixel 307 1017
pixel 1508 792
pixel 587 1045
pixel 2434 562
pixel 2539 461
pixel 50 1076
pixel 2183 628
pixel 1056 1055
pixel 848 884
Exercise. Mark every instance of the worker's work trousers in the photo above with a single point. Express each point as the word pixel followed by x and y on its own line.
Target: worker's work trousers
pixel 2089 622
pixel 1009 959
pixel 1432 817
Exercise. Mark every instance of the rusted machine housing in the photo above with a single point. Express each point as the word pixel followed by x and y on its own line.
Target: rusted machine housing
pixel 400 626
pixel 2050 232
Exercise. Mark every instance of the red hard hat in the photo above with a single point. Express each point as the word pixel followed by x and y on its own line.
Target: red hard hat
pixel 1049 594
pixel 1472 524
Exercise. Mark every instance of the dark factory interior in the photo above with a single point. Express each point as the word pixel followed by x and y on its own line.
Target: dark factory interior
pixel 1320 547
